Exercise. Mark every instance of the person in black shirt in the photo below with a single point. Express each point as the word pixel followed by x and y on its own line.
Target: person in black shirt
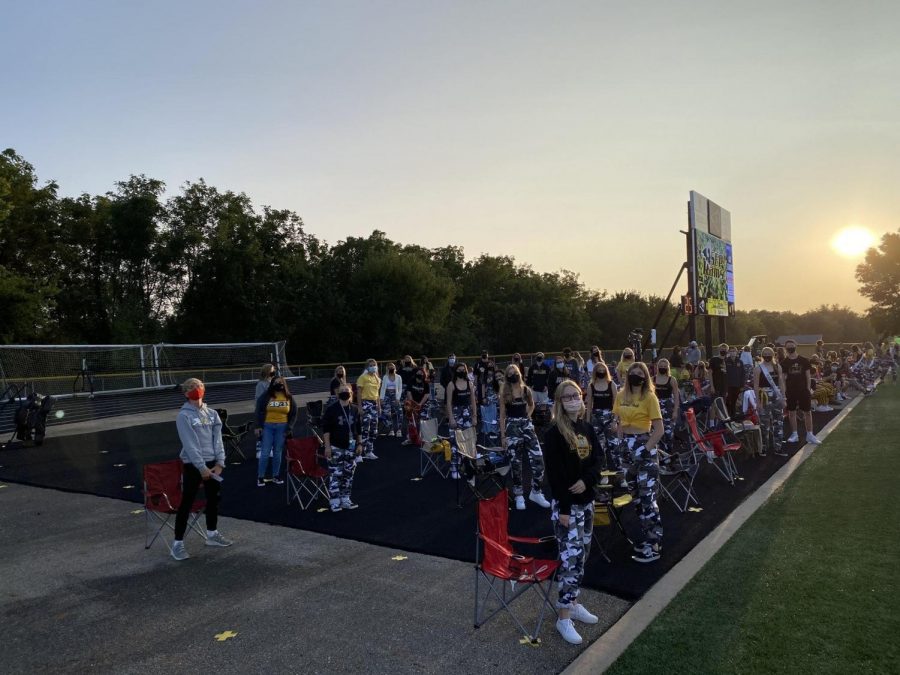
pixel 481 369
pixel 558 373
pixel 717 371
pixel 537 379
pixel 418 403
pixel 406 370
pixel 343 446
pixel 340 376
pixel 572 459
pixel 799 395
pixel 461 411
pixel 601 396
pixel 447 374
pixel 735 379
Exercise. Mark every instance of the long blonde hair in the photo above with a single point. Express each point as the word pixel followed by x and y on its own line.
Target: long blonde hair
pixel 561 417
pixel 646 388
pixel 506 386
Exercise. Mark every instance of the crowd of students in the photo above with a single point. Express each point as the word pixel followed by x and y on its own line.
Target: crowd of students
pixel 605 421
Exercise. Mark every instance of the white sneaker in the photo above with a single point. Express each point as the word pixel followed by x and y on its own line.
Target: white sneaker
pixel 824 408
pixel 520 503
pixel 178 551
pixel 579 613
pixel 793 438
pixel 454 474
pixel 810 438
pixel 347 504
pixel 370 455
pixel 538 498
pixel 216 539
pixel 567 629
pixel 604 480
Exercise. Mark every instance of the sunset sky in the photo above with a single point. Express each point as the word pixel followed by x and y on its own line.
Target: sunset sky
pixel 566 134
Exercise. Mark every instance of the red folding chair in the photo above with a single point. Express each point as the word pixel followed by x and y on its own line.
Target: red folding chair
pixel 503 569
pixel 713 446
pixel 162 497
pixel 307 480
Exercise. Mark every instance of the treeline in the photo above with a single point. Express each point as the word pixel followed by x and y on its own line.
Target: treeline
pixel 205 265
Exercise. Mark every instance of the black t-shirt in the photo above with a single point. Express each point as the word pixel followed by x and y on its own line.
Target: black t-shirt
pixel 537 377
pixel 602 399
pixel 335 385
pixel 417 391
pixel 339 422
pixel 406 374
pixel 717 373
pixel 566 465
pixel 795 372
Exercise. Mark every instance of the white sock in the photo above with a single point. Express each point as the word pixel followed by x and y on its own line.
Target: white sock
pixel 211 533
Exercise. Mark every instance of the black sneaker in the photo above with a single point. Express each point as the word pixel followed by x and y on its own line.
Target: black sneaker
pixel 260 482
pixel 648 555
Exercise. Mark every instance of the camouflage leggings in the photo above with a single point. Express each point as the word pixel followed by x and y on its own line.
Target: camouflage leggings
pixel 602 421
pixel 574 544
pixel 369 425
pixel 667 407
pixel 520 436
pixel 463 417
pixel 646 471
pixel 390 411
pixel 340 473
pixel 771 420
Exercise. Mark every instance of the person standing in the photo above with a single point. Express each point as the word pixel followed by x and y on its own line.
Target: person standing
pixel 517 436
pixel 735 379
pixel 447 373
pixel 203 455
pixel 768 386
pixel 537 378
pixel 692 354
pixel 666 388
pixel 573 365
pixel 368 386
pixel 392 387
pixel 640 429
pixel 717 371
pixel 343 444
pixel 747 362
pixel 601 397
pixel 418 403
pixel 481 370
pixel 798 386
pixel 340 377
pixel 572 456
pixel 407 371
pixel 276 411
pixel 624 365
pixel 461 411
pixel 265 377
pixel 557 374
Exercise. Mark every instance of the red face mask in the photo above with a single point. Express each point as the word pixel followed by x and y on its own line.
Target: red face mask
pixel 196 394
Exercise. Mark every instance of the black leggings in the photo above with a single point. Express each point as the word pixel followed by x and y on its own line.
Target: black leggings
pixel 191 481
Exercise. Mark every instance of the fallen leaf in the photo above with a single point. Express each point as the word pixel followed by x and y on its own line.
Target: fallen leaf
pixel 530 641
pixel 128 487
pixel 694 509
pixel 322 510
pixel 137 512
pixel 400 557
pixel 227 635
pixel 417 478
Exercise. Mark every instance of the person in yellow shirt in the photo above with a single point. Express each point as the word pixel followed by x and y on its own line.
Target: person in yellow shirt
pixel 624 364
pixel 640 427
pixel 276 411
pixel 368 390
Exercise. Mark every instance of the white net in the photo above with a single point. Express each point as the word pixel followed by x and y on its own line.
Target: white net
pixel 67 369
pixel 62 370
pixel 217 363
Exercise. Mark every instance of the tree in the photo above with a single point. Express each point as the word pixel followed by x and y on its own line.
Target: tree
pixel 879 277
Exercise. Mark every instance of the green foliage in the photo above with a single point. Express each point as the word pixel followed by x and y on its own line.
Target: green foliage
pixel 879 277
pixel 206 266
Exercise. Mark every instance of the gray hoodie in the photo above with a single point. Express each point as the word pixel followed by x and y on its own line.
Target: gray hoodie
pixel 200 431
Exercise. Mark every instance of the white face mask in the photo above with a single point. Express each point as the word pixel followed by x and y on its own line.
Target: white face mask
pixel 572 406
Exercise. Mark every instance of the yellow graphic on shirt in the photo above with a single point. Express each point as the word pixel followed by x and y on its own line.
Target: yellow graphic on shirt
pixel 582 446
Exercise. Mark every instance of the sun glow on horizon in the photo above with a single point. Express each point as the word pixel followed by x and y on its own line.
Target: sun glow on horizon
pixel 853 241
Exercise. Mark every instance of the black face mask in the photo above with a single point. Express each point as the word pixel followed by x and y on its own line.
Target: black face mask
pixel 278 387
pixel 721 353
pixel 635 379
pixel 791 350
pixel 768 357
pixel 340 376
pixel 460 374
pixel 663 371
pixel 601 373
pixel 344 396
pixel 512 379
pixel 391 371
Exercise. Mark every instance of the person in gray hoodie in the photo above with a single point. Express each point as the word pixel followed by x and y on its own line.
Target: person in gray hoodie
pixel 203 454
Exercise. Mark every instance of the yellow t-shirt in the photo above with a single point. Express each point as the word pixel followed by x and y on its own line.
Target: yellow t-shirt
pixel 622 371
pixel 368 387
pixel 277 409
pixel 638 413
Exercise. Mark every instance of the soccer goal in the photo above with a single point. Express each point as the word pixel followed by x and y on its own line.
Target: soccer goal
pixel 221 363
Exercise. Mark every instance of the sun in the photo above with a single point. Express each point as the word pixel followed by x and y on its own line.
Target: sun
pixel 853 241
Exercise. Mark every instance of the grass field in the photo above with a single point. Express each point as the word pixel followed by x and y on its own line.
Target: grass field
pixel 810 583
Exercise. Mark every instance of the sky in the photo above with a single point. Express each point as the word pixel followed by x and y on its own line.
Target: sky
pixel 567 134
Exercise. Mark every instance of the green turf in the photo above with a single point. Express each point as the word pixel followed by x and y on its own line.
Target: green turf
pixel 810 583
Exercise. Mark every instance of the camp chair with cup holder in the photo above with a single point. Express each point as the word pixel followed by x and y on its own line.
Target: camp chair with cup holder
pixel 162 498
pixel 713 447
pixel 746 432
pixel 434 449
pixel 502 575
pixel 307 479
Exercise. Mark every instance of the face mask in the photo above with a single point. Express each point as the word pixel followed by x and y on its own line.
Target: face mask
pixel 596 355
pixel 572 406
pixel 512 379
pixel 721 353
pixel 635 379
pixel 627 358
pixel 663 371
pixel 791 350
pixel 834 369
pixel 767 357
pixel 371 369
pixel 196 394
pixel 601 373
pixel 560 364
pixel 451 361
pixel 278 387
pixel 391 371
pixel 407 363
pixel 344 396
pixel 340 376
pixel 461 374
